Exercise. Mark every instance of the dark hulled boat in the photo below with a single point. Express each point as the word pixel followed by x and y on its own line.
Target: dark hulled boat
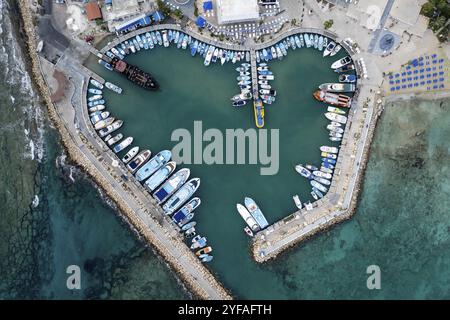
pixel 136 75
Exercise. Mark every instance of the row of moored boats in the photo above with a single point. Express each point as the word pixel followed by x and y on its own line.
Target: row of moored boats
pixel 252 215
pixel 172 190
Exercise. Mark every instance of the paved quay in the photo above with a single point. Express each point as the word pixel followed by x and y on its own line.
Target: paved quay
pixel 69 114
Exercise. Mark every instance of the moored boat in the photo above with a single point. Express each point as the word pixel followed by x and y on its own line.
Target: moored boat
pixel 321 174
pixel 319 186
pixel 258 109
pixel 297 201
pixel 115 139
pixel 335 110
pixel 248 218
pixel 171 185
pixel 130 154
pixel 103 123
pixel 341 62
pixel 186 213
pixel 153 164
pixel 349 78
pixel 139 160
pixel 330 47
pixel 111 128
pixel 256 212
pixel 160 176
pixel 338 87
pixel 181 196
pixel 303 171
pixel 334 99
pixel 336 117
pixel 329 149
pixel 121 146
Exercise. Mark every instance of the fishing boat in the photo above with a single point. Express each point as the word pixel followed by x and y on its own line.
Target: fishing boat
pixel 317 191
pixel 105 64
pixel 186 213
pixel 115 139
pixel 317 185
pixel 335 135
pixel 116 53
pixel 348 67
pixel 121 146
pixel 321 180
pixel 215 55
pixel 111 128
pixel 268 92
pixel 335 110
pixel 335 139
pixel 194 48
pixel 337 87
pixel 292 43
pixel 198 242
pixel 209 55
pixel 203 251
pixel 321 174
pixel 241 69
pixel 258 109
pixel 335 124
pixel 181 196
pixel 103 123
pixel 243 78
pixel 336 117
pixel 327 165
pixel 329 149
pixel 158 37
pixel 99 116
pixel 153 164
pixel 248 218
pixel 256 213
pixel 190 233
pixel 95 97
pixel 329 160
pixel 320 45
pixel 113 87
pixel 314 195
pixel 96 108
pixel 298 43
pixel 160 176
pixel 248 231
pixel 130 154
pixel 265 54
pixel 97 84
pixel 327 170
pixel 334 99
pixel 297 201
pixel 95 103
pixel 266 77
pixel 303 171
pixel 328 155
pixel 239 103
pixel 188 226
pixel 310 167
pixel 336 50
pixel 171 185
pixel 348 78
pixel 329 49
pixel 95 91
pixel 335 129
pixel 316 41
pixel 165 38
pixel 273 52
pixel 222 56
pixel 283 49
pixel 279 52
pixel 139 160
pixel 341 62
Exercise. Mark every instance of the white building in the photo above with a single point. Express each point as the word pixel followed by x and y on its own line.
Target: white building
pixel 230 11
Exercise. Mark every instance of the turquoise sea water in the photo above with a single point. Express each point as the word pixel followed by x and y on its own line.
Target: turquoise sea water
pixel 402 222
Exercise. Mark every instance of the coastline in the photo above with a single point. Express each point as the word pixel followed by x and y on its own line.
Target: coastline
pixel 73 153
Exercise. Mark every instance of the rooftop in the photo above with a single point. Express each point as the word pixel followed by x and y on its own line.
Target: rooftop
pixel 229 11
pixel 93 11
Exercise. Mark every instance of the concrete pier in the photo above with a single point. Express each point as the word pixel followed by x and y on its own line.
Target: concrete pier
pixel 254 74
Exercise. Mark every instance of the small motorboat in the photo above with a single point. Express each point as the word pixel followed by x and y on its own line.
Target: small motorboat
pixel 349 78
pixel 248 231
pixel 297 201
pixel 239 103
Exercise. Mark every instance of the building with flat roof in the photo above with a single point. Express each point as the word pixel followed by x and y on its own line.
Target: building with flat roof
pixel 230 11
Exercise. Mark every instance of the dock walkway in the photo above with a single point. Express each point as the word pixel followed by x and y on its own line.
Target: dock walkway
pixel 254 74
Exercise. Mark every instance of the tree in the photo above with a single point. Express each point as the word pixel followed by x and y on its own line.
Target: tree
pixel 178 13
pixel 428 10
pixel 328 24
